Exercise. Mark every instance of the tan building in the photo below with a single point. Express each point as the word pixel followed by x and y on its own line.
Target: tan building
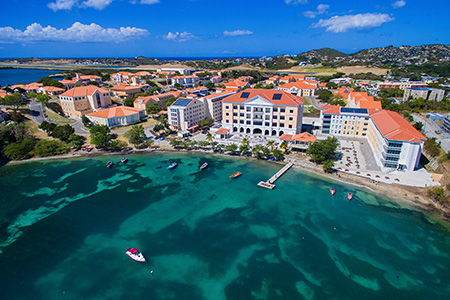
pixel 185 113
pixel 82 100
pixel 144 101
pixel 213 105
pixel 50 90
pixel 128 90
pixel 299 88
pixel 117 116
pixel 263 112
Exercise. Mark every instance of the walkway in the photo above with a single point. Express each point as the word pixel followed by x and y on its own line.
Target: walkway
pixel 269 184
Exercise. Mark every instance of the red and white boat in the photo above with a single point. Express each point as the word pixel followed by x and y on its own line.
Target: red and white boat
pixel 332 191
pixel 235 175
pixel 202 167
pixel 135 254
pixel 349 196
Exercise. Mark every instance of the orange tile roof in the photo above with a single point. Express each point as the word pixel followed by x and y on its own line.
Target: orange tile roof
pixel 145 99
pixel 293 77
pixel 222 131
pixel 299 85
pixel 83 91
pixel 394 127
pixel 218 95
pixel 143 73
pixel 286 98
pixel 53 89
pixel 66 81
pixel 236 83
pixel 331 109
pixel 124 87
pixel 33 86
pixel 304 136
pixel 22 86
pixel 118 111
pixel 3 93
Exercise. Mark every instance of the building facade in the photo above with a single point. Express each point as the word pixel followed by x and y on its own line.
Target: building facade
pixel 117 116
pixel 396 145
pixel 185 80
pixel 82 100
pixel 263 112
pixel 185 113
pixel 425 93
pixel 213 105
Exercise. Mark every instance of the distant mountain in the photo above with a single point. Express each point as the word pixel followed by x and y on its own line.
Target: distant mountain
pixel 319 53
pixel 432 52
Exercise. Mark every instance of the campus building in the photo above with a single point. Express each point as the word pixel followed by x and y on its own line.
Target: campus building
pixel 394 142
pixel 425 93
pixel 185 113
pixel 82 100
pixel 185 80
pixel 213 105
pixel 117 116
pixel 263 112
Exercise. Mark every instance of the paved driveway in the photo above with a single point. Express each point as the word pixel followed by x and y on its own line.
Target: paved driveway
pixel 430 131
pixel 37 112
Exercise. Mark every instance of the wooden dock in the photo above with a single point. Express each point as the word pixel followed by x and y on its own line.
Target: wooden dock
pixel 269 184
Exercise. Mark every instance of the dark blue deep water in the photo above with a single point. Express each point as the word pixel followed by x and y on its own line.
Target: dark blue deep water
pixel 15 76
pixel 64 227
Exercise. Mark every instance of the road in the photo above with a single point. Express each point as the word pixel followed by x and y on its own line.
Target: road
pixel 37 112
pixel 430 131
pixel 314 101
pixel 78 126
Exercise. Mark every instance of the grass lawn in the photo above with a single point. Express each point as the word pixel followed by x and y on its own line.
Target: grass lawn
pixel 55 118
pixel 146 123
pixel 321 70
pixel 307 102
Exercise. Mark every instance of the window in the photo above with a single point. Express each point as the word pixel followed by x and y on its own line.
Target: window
pixel 241 121
pixel 267 110
pixel 241 107
pixel 267 117
pixel 248 116
pixel 249 122
pixel 275 117
pixel 267 124
pixel 282 117
pixel 291 111
pixel 281 124
pixel 235 114
pixel 227 121
pixel 234 106
pixel 364 134
pixel 290 126
pixel 249 109
pixel 257 122
pixel 282 110
pixel 227 107
pixel 291 118
pixel 275 109
pixel 274 124
pixel 241 114
pixel 235 121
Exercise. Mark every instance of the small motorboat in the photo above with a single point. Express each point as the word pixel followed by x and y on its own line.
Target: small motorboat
pixel 332 191
pixel 109 164
pixel 124 160
pixel 235 175
pixel 173 165
pixel 202 167
pixel 135 254
pixel 349 196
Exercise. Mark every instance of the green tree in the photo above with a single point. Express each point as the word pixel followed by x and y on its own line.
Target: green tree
pixel 209 137
pixel 43 98
pixel 136 135
pixel 270 145
pixel 328 166
pixel 20 150
pixel 231 148
pixel 47 81
pixel 418 126
pixel 50 147
pixel 175 143
pixel 244 148
pixel 15 100
pixel 153 109
pixel 76 140
pixel 62 132
pixel 432 147
pixel 323 150
pixel 47 126
pixel 93 83
pixel 128 102
pixel 118 145
pixel 170 101
pixel 278 154
pixel 100 136
pixel 86 121
pixel 284 146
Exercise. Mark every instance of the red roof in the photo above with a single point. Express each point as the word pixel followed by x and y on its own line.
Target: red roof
pixel 222 131
pixel 83 91
pixel 285 98
pixel 119 111
pixel 394 127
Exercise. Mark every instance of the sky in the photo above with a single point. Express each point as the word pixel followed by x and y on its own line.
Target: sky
pixel 213 28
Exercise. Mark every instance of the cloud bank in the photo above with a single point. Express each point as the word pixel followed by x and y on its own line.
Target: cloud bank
pixel 77 33
pixel 96 4
pixel 339 24
pixel 179 36
pixel 321 9
pixel 237 32
pixel 398 4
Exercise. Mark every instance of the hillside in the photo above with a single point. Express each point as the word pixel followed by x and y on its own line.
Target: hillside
pixel 320 53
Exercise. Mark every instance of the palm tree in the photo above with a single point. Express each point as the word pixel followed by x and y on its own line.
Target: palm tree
pixel 244 149
pixel 209 137
pixel 284 146
pixel 245 141
pixel 270 144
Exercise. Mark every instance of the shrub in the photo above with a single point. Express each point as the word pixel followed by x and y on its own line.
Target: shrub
pixel 50 147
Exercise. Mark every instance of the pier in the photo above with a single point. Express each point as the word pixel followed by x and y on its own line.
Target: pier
pixel 269 184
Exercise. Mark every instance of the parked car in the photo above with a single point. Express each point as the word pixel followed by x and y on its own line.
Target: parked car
pixel 161 138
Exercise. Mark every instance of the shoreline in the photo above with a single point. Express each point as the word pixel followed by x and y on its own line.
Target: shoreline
pixel 414 196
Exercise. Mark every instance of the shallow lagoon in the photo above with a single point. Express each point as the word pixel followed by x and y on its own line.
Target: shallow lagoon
pixel 66 224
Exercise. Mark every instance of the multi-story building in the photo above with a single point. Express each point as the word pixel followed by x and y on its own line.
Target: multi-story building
pixel 128 90
pixel 185 113
pixel 82 100
pixel 446 123
pixel 400 84
pixel 185 80
pixel 358 99
pixel 298 88
pixel 117 116
pixel 143 102
pixel 50 90
pixel 425 93
pixel 213 105
pixel 263 112
pixel 394 142
pixel 122 77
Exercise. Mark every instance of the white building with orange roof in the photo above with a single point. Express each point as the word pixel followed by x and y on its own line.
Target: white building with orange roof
pixel 299 141
pixel 143 74
pixel 298 88
pixel 122 77
pixel 85 79
pixel 117 116
pixel 82 100
pixel 185 113
pixel 273 80
pixel 245 78
pixel 128 90
pixel 185 80
pixel 69 83
pixel 144 101
pixel 358 99
pixel 216 79
pixel 236 85
pixel 213 105
pixel 263 112
pixel 51 90
pixel 292 78
pixel 32 87
pixel 395 143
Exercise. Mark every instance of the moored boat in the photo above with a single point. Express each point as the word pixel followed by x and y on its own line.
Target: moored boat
pixel 124 160
pixel 202 167
pixel 173 165
pixel 349 196
pixel 135 254
pixel 332 191
pixel 235 175
pixel 109 164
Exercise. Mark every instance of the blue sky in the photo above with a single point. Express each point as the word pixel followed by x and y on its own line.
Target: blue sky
pixel 213 28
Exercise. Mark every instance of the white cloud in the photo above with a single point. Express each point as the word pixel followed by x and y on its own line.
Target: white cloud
pixel 62 4
pixel 321 9
pixel 179 36
pixel 360 21
pixel 295 2
pixel 398 3
pixel 237 32
pixel 97 4
pixel 149 1
pixel 76 33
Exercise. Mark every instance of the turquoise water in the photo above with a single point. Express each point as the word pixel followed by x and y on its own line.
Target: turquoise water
pixel 66 224
pixel 14 76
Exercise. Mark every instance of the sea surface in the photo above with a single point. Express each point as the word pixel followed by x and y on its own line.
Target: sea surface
pixel 15 76
pixel 65 226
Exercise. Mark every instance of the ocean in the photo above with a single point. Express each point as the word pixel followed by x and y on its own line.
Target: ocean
pixel 14 76
pixel 65 226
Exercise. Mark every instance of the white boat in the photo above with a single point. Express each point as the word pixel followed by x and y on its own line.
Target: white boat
pixel 173 165
pixel 135 254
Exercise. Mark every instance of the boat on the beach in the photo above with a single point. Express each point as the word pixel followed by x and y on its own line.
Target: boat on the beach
pixel 124 160
pixel 349 196
pixel 135 254
pixel 202 167
pixel 109 164
pixel 332 191
pixel 235 175
pixel 173 165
